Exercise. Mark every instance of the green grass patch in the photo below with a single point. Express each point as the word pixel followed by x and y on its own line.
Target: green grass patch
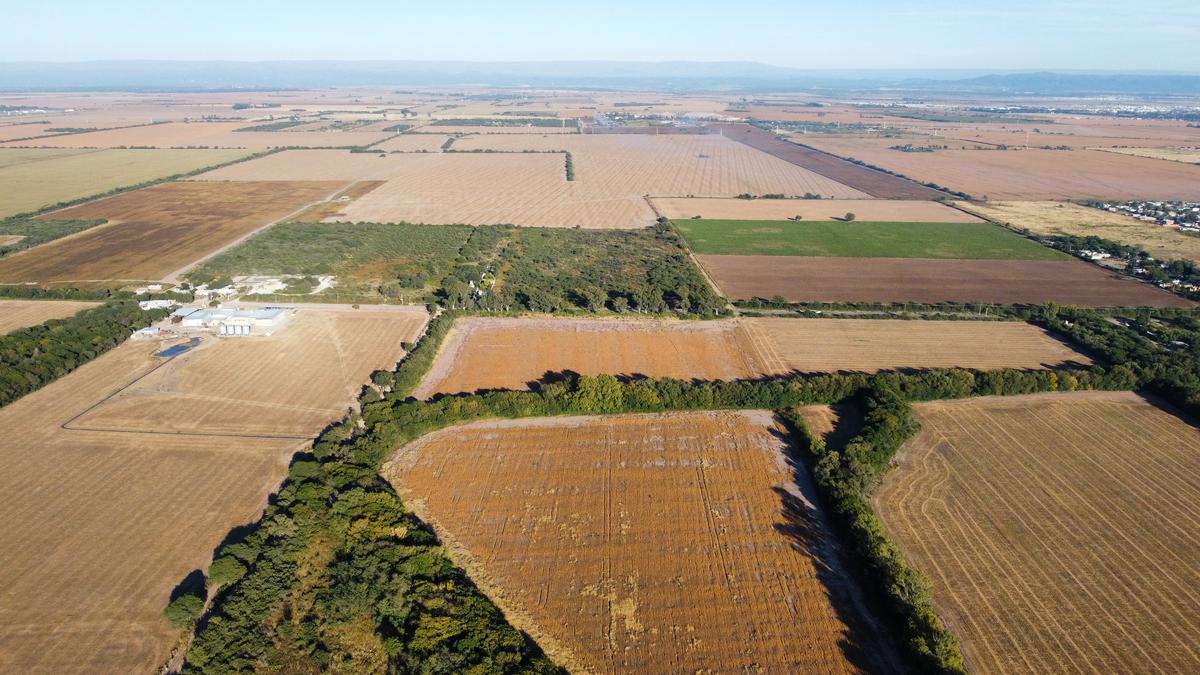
pixel 865 239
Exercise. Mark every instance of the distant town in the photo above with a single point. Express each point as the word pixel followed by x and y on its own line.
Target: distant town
pixel 1184 215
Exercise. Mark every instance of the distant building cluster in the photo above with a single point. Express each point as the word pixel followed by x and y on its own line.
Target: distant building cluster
pixel 1184 215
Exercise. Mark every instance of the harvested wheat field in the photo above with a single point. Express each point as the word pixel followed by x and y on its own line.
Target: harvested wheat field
pixel 155 231
pixel 1164 243
pixel 291 383
pixel 881 210
pixel 645 543
pixel 833 345
pixel 823 279
pixel 35 178
pixel 1061 532
pixel 97 528
pixel 498 353
pixel 16 314
pixel 412 143
pixel 1027 174
pixel 203 135
pixel 1185 155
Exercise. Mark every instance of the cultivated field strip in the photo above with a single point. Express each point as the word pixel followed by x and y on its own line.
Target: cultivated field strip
pixel 498 353
pixel 156 231
pixel 880 210
pixel 1061 532
pixel 649 543
pixel 206 134
pixel 831 345
pixel 16 314
pixel 834 279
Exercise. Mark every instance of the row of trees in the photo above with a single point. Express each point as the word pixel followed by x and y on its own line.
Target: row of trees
pixel 32 357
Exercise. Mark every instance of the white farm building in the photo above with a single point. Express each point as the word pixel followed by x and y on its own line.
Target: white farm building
pixel 237 322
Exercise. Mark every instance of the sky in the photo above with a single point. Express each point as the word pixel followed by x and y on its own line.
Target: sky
pixel 850 34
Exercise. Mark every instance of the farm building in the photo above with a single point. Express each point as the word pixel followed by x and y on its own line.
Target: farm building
pixel 239 322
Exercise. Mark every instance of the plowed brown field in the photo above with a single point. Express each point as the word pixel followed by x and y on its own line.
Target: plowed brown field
pixel 648 543
pixel 16 314
pixel 97 527
pixel 819 279
pixel 831 345
pixel 1061 531
pixel 486 353
pixel 155 231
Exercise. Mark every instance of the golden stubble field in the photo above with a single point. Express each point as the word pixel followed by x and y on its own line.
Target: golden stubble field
pixel 1061 531
pixel 645 543
pixel 1164 243
pixel 155 231
pixel 202 135
pixel 34 178
pixel 97 527
pixel 500 353
pixel 831 345
pixel 613 174
pixel 16 314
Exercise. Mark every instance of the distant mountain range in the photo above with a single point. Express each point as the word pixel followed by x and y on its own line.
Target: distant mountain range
pixel 668 76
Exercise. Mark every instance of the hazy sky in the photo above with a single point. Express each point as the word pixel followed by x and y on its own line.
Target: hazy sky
pixel 1015 34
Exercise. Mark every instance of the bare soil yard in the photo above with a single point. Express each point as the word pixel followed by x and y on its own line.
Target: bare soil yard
pixel 1061 531
pixel 648 543
pixel 16 314
pixel 812 279
pixel 832 345
pixel 155 231
pixel 496 353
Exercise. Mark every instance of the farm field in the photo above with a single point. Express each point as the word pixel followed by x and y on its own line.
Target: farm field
pixel 155 231
pixel 202 134
pixel 786 345
pixel 97 528
pixel 862 239
pixel 1026 174
pixel 16 314
pixel 1059 531
pixel 289 384
pixel 1185 155
pixel 490 130
pixel 657 542
pixel 32 179
pixel 412 143
pixel 912 211
pixel 1164 243
pixel 929 280
pixel 499 353
pixel 870 182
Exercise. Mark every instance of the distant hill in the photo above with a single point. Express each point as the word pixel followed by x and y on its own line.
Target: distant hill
pixel 664 76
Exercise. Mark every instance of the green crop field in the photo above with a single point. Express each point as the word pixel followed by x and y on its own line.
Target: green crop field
pixel 861 239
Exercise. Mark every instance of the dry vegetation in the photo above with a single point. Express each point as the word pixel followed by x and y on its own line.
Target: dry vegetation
pixel 16 314
pixel 202 134
pixel 1060 531
pixel 812 279
pixel 412 143
pixel 884 210
pixel 31 179
pixel 261 386
pixel 487 353
pixel 1026 174
pixel 673 543
pixel 1185 155
pixel 1164 243
pixel 831 345
pixel 99 526
pixel 155 231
